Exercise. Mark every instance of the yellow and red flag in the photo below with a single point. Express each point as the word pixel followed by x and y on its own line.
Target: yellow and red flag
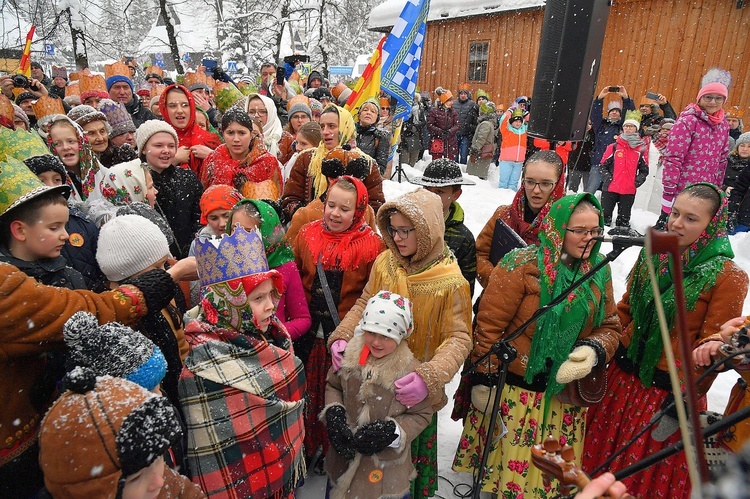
pixel 368 85
pixel 25 67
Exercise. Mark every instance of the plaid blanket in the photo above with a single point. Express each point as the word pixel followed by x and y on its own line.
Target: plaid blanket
pixel 243 401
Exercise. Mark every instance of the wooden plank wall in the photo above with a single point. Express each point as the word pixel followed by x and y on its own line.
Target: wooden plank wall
pixel 663 46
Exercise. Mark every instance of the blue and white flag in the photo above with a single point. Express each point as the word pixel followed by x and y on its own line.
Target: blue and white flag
pixel 402 53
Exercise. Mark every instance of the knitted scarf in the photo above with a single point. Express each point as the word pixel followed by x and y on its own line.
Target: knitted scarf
pixel 714 119
pixel 348 249
pixel 347 131
pixel 633 139
pixel 701 264
pixel 529 232
pixel 278 250
pixel 556 331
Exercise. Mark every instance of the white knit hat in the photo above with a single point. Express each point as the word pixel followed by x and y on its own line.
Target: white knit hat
pixel 129 244
pixel 148 129
pixel 388 314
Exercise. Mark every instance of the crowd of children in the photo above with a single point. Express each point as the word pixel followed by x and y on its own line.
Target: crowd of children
pixel 259 319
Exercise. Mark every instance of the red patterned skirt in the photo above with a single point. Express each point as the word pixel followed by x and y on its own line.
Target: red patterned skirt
pixel 316 371
pixel 625 410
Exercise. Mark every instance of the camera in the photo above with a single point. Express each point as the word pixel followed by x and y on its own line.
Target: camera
pixel 20 81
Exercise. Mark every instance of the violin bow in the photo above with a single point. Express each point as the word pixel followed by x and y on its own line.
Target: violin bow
pixel 658 242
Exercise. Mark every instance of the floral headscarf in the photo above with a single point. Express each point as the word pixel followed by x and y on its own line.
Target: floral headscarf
pixel 278 250
pixel 86 158
pixel 218 197
pixel 347 131
pixel 125 183
pixel 529 232
pixel 272 130
pixel 701 264
pixel 556 331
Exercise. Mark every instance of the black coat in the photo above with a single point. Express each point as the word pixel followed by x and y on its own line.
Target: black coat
pixel 80 250
pixel 138 111
pixel 179 198
pixel 468 114
pixel 49 271
pixel 739 199
pixel 376 143
pixel 735 166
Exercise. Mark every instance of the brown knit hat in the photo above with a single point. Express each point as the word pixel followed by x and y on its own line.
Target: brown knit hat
pixel 94 434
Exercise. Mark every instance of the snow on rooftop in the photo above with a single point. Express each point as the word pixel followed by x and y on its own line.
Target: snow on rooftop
pixel 385 14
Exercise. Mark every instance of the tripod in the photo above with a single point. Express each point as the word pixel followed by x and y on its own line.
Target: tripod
pixel 506 353
pixel 400 171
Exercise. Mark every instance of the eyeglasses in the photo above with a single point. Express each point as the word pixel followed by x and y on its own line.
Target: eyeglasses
pixel 543 186
pixel 717 98
pixel 402 233
pixel 257 112
pixel 595 232
pixel 385 108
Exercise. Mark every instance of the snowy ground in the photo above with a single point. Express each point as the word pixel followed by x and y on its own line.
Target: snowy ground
pixel 479 203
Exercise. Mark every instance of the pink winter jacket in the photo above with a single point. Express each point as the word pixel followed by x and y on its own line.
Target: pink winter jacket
pixel 292 309
pixel 696 152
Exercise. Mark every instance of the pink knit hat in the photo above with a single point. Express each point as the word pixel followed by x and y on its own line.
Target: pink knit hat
pixel 716 81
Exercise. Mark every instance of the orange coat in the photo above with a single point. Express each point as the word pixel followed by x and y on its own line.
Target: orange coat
pixel 511 297
pixel 31 323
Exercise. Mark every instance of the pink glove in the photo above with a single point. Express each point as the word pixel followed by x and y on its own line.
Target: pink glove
pixel 337 353
pixel 411 389
pixel 666 204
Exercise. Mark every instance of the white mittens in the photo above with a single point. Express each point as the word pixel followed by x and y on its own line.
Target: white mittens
pixel 579 364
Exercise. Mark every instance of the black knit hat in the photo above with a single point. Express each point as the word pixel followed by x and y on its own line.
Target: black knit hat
pixel 442 173
pixel 45 163
pixel 322 93
pixel 25 96
pixel 146 434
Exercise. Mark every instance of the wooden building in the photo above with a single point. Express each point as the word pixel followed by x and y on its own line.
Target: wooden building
pixel 663 46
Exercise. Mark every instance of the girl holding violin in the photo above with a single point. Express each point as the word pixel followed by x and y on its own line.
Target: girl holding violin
pixel 715 289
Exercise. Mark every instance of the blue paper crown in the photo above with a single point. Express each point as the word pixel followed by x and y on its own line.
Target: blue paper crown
pixel 231 257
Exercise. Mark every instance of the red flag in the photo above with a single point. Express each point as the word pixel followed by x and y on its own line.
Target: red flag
pixel 25 67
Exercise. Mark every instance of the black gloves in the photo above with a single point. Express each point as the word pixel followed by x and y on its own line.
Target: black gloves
pixel 157 287
pixel 661 223
pixel 339 434
pixel 374 437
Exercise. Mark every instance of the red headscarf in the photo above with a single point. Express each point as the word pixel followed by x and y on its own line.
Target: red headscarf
pixel 218 197
pixel 192 134
pixel 345 250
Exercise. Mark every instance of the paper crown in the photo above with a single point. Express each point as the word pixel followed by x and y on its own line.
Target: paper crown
pixel 72 89
pixel 6 112
pixel 191 78
pixel 226 95
pixel 155 70
pixel 517 113
pixel 116 69
pixel 465 87
pixel 633 115
pixel 60 72
pixel 735 112
pixel 157 90
pixel 231 257
pixel 296 100
pixel 45 106
pixel 92 83
pixel 18 184
pixel 20 145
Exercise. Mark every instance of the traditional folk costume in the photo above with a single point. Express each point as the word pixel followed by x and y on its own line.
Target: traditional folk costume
pixel 639 379
pixel 525 280
pixel 432 280
pixel 242 389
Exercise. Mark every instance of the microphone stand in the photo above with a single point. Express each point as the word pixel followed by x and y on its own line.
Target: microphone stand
pixel 506 354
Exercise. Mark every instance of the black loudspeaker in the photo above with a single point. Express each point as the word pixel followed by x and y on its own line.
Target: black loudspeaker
pixel 567 68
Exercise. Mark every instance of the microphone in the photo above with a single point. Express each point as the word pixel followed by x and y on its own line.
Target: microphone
pixel 625 241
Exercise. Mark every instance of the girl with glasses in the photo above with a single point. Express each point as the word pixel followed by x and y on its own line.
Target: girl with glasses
pixel 264 110
pixel 543 183
pixel 418 265
pixel 698 142
pixel 563 345
pixel 243 160
pixel 715 288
